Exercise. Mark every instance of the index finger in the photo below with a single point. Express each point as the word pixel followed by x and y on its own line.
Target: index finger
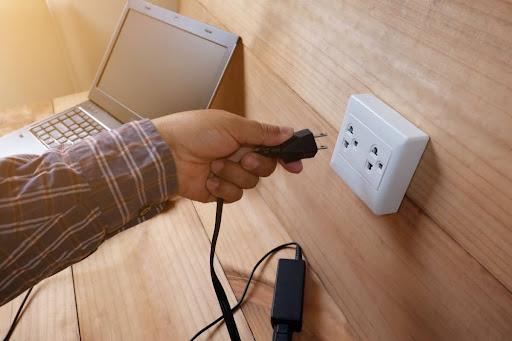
pixel 260 134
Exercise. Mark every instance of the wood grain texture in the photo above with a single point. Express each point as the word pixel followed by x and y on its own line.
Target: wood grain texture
pixel 250 229
pixel 442 64
pixel 152 282
pixel 49 313
pixel 427 272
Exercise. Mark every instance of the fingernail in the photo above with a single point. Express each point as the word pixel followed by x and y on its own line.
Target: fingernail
pixel 213 183
pixel 250 163
pixel 217 165
pixel 286 131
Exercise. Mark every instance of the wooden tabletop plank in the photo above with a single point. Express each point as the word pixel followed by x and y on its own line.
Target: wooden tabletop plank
pixel 249 230
pixel 65 102
pixel 50 312
pixel 152 282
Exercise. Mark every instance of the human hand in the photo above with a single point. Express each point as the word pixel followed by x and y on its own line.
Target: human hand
pixel 201 142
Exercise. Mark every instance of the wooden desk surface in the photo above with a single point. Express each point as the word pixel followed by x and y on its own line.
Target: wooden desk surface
pixel 152 282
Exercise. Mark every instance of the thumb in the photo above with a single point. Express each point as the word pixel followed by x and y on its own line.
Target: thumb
pixel 261 134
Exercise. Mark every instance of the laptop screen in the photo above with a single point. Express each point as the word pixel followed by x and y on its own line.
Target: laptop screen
pixel 155 68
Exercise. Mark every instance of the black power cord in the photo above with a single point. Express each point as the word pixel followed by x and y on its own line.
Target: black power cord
pixel 289 293
pixel 227 314
pixel 300 146
pixel 17 317
pixel 247 285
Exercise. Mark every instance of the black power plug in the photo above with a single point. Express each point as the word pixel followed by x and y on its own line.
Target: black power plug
pixel 301 145
pixel 289 291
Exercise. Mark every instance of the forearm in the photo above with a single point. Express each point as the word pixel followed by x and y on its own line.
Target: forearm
pixel 58 208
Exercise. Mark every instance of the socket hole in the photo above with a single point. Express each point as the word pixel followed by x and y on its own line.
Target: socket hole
pixel 380 165
pixel 345 143
pixel 355 143
pixel 369 166
pixel 350 129
pixel 374 151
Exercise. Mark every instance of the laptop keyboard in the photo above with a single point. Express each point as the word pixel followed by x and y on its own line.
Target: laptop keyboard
pixel 66 128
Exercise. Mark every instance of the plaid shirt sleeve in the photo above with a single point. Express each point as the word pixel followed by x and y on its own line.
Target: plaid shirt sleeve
pixel 57 208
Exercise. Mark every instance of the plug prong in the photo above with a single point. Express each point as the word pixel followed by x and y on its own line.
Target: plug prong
pixel 322 147
pixel 319 135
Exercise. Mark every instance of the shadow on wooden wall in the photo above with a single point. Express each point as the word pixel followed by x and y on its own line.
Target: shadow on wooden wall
pixel 231 93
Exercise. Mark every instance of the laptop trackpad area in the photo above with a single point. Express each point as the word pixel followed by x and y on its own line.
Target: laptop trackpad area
pixel 20 142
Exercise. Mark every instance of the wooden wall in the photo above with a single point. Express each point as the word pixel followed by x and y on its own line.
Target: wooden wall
pixel 51 48
pixel 85 28
pixel 32 62
pixel 442 267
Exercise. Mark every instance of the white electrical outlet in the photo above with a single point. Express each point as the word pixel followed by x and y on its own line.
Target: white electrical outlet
pixel 377 152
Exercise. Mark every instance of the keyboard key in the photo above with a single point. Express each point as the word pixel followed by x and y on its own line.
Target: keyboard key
pixel 53 144
pixel 73 127
pixel 45 125
pixel 79 130
pixel 49 128
pixel 82 134
pixel 89 128
pixel 54 121
pixel 44 137
pixel 62 140
pixel 83 125
pixel 68 122
pixel 94 132
pixel 39 133
pixel 68 133
pixel 61 127
pixel 55 134
pixel 77 119
pixel 36 129
pixel 73 138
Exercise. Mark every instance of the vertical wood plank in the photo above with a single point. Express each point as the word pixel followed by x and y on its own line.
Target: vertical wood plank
pixel 152 282
pixel 49 313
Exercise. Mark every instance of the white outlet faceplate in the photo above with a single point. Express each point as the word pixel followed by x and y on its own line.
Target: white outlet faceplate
pixel 377 152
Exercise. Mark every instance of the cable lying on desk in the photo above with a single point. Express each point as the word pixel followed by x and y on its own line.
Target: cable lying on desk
pixel 289 289
pixel 17 317
pixel 247 285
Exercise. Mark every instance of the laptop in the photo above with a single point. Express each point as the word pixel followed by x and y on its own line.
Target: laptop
pixel 157 63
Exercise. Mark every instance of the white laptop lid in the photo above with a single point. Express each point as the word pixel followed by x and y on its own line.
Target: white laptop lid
pixel 160 62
